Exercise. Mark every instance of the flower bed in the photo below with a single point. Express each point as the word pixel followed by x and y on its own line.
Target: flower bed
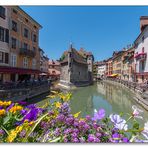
pixel 54 123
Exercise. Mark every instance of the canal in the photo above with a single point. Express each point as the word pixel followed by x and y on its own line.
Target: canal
pixel 113 98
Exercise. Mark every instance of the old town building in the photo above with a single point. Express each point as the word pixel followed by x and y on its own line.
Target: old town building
pixel 117 63
pixel 141 51
pixel 101 69
pixel 54 69
pixel 24 56
pixel 128 65
pixel 109 67
pixel 4 42
pixel 43 62
pixel 76 67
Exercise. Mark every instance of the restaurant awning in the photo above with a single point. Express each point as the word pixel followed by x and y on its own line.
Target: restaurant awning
pixel 114 75
pixel 14 70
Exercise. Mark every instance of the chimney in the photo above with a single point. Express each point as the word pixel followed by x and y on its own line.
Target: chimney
pixel 143 22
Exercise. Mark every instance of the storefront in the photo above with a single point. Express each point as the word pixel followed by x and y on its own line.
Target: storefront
pixel 8 74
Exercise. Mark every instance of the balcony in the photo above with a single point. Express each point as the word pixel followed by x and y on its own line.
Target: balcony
pixel 141 56
pixel 27 52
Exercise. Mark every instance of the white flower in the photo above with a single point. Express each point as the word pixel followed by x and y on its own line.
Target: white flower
pixel 136 112
pixel 145 131
pixel 119 123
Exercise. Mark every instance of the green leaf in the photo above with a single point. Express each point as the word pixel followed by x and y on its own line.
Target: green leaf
pixel 33 128
pixel 136 125
pixel 7 118
pixel 55 140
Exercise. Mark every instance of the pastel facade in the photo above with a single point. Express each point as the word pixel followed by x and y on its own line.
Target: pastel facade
pixel 109 67
pixel 117 63
pixel 23 48
pixel 4 41
pixel 141 51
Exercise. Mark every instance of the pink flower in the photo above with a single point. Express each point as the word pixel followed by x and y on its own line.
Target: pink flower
pixel 136 112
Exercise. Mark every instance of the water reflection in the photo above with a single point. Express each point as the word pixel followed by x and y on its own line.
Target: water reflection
pixel 113 98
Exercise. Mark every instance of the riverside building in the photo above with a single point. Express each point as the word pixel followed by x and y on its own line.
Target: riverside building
pixel 23 56
pixel 141 51
pixel 76 67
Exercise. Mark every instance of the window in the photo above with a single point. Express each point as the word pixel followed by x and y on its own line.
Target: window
pixel 1 34
pixel 25 46
pixel 25 62
pixel 142 65
pixel 13 60
pixel 34 63
pixel 1 57
pixel 4 35
pixel 26 20
pixel 2 12
pixel 34 49
pixel 14 26
pixel 7 36
pixel 69 64
pixel 14 11
pixel 25 32
pixel 13 43
pixel 34 38
pixel 143 39
pixel 6 58
pixel 143 50
pixel 34 27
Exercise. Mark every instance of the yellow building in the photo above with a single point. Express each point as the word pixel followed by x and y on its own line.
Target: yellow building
pixel 117 63
pixel 24 55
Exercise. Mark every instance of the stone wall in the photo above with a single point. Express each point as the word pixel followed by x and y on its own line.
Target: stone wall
pixel 22 94
pixel 79 73
pixel 64 73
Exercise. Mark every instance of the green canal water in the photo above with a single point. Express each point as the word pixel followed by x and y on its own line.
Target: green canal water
pixel 113 98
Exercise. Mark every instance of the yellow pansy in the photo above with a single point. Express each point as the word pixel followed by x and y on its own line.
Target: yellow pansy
pixel 5 103
pixel 58 104
pixel 77 114
pixel 32 122
pixel 12 136
pixel 14 109
pixel 2 112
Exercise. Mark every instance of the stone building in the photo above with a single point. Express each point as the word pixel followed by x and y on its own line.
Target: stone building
pixel 76 67
pixel 141 51
pixel 22 56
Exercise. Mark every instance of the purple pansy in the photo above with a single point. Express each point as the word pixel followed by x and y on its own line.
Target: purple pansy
pixel 119 123
pixel 98 115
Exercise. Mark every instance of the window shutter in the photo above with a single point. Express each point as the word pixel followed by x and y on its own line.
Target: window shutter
pixel 7 36
pixel 6 58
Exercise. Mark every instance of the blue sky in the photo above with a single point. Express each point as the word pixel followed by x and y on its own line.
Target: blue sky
pixel 99 29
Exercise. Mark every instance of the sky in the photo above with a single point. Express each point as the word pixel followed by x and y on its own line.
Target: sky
pixel 99 29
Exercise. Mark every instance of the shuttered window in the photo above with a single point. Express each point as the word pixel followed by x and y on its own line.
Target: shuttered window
pixel 1 34
pixel 6 58
pixel 2 12
pixel 7 36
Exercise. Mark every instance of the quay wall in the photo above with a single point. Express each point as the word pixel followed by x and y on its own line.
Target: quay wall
pixel 140 97
pixel 16 95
